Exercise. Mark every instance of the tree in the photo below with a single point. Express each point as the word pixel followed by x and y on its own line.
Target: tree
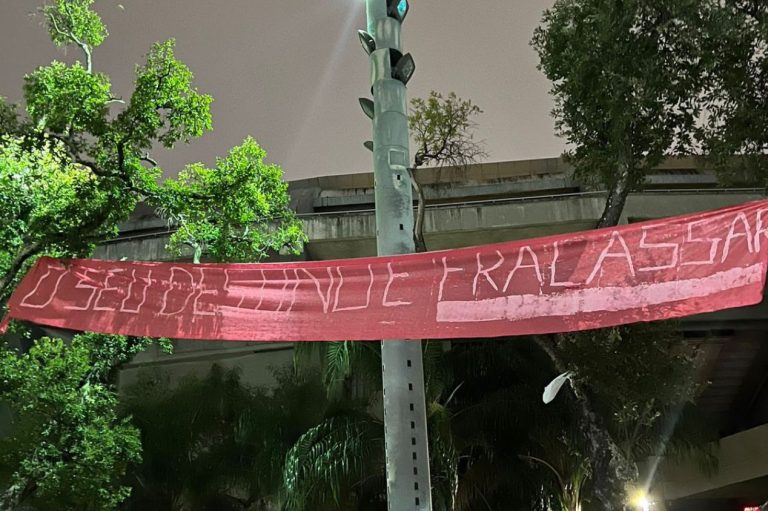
pixel 254 220
pixel 659 386
pixel 71 169
pixel 626 78
pixel 194 453
pixel 628 85
pixel 69 448
pixel 734 135
pixel 69 120
pixel 60 397
pixel 68 105
pixel 216 443
pixel 443 133
pixel 338 462
pixel 44 198
pixel 493 418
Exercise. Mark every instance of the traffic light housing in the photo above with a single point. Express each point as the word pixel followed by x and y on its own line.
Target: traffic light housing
pixel 367 40
pixel 367 106
pixel 403 68
pixel 397 9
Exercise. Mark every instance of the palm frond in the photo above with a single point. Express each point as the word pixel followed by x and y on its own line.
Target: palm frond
pixel 438 376
pixel 328 459
pixel 306 355
pixel 338 366
pixel 336 361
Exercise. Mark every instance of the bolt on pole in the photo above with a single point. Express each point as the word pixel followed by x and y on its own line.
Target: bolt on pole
pixel 405 423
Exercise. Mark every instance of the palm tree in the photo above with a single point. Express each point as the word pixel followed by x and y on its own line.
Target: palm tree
pixel 481 411
pixel 215 443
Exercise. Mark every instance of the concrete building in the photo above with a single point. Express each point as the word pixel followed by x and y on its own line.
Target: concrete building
pixel 496 202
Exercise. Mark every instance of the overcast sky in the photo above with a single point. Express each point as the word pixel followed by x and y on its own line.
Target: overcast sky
pixel 289 72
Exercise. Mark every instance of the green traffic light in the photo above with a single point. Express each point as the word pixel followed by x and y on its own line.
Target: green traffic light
pixel 398 9
pixel 402 8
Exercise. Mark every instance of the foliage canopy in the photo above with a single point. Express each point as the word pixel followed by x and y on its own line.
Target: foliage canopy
pixel 69 447
pixel 73 166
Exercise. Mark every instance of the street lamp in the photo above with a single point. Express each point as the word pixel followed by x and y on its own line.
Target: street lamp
pixel 641 500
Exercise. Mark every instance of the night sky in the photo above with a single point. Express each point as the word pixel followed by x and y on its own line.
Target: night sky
pixel 289 72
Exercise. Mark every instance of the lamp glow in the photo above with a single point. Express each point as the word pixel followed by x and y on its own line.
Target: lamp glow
pixel 640 500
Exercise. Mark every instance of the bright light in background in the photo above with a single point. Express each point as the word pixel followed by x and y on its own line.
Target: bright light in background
pixel 322 89
pixel 641 501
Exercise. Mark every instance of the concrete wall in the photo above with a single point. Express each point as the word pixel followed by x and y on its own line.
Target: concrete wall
pixel 255 360
pixel 352 233
pixel 481 181
pixel 743 458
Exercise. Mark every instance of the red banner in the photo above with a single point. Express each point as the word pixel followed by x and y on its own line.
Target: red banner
pixel 640 272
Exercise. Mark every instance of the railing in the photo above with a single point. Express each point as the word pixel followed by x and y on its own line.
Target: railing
pixel 530 198
pixel 483 202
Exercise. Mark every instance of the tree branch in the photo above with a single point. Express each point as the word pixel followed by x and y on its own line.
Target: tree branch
pixel 94 168
pixel 83 46
pixel 15 267
pixel 149 160
pixel 418 222
pixel 68 144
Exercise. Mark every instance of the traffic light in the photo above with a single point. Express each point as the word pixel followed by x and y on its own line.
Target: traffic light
pixel 397 9
pixel 403 68
pixel 384 49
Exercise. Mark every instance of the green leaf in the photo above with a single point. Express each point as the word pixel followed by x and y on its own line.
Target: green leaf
pixel 238 211
pixel 67 99
pixel 73 22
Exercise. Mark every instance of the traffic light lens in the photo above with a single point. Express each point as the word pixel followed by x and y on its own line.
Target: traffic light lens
pixel 402 8
pixel 397 9
pixel 408 68
pixel 404 69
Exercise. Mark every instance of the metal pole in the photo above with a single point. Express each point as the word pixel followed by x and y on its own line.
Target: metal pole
pixel 405 423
